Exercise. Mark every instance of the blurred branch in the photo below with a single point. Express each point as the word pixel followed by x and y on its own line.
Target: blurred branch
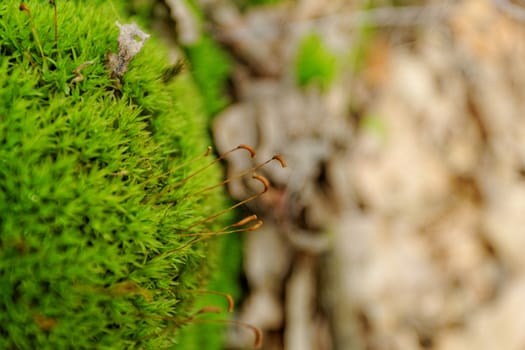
pixel 384 16
pixel 511 9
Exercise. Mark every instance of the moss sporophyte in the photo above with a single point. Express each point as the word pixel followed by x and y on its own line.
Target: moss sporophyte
pixel 107 200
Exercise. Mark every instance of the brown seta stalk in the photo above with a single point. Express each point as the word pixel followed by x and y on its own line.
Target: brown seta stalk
pixel 243 173
pixel 224 231
pixel 128 287
pixel 260 178
pixel 23 7
pixel 258 334
pixel 55 22
pixel 240 226
pixel 198 171
pixel 226 296
pixel 166 190
pixel 131 288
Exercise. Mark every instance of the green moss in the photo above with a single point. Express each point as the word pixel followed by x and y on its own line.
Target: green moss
pixel 225 279
pixel 315 64
pixel 245 4
pixel 82 173
pixel 211 68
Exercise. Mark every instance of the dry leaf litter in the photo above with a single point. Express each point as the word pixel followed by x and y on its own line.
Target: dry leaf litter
pixel 130 41
pixel 399 222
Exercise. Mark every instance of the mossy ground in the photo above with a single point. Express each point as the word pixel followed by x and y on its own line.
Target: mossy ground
pixel 82 226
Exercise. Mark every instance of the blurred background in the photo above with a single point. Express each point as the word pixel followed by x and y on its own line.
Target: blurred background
pixel 400 221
